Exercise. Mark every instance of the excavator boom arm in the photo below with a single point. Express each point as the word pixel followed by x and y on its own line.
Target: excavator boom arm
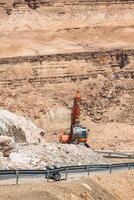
pixel 76 109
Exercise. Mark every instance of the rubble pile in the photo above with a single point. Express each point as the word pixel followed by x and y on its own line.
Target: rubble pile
pixel 22 145
pixel 40 156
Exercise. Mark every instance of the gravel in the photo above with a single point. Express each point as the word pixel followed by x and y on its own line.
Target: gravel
pixel 40 156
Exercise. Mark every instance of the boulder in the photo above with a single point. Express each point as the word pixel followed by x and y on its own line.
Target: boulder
pixel 19 128
pixel 7 144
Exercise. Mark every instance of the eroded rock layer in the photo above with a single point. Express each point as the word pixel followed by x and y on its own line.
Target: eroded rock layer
pixel 106 77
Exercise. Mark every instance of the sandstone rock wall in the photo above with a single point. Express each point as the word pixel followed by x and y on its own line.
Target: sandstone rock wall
pixel 115 56
pixel 82 56
pixel 58 68
pixel 94 11
pixel 35 84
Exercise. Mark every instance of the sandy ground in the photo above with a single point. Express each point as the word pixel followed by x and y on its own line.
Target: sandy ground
pixel 49 33
pixel 114 136
pixel 63 40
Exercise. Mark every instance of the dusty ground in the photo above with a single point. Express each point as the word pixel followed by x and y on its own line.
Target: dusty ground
pixel 118 186
pixel 78 29
pixel 60 40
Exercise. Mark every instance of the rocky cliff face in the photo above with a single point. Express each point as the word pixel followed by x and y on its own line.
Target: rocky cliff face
pixel 105 77
pixel 50 49
pixel 86 7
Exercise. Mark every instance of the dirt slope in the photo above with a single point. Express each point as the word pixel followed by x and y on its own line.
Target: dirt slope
pixel 27 32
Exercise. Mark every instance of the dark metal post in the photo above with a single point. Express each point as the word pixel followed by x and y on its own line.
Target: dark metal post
pixel 129 167
pixel 110 168
pixel 88 169
pixel 17 177
pixel 48 175
pixel 66 174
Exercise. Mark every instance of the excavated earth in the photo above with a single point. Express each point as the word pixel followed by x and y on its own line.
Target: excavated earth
pixel 49 154
pixel 48 50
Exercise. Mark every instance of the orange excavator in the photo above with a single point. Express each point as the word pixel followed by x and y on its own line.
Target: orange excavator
pixel 77 134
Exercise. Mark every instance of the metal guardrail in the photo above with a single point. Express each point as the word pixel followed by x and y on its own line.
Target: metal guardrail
pixel 50 173
pixel 117 154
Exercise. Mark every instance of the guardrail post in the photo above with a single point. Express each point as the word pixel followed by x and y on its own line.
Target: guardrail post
pixel 110 169
pixel 48 175
pixel 88 170
pixel 129 167
pixel 66 174
pixel 17 177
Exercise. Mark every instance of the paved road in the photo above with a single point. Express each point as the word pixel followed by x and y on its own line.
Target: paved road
pixel 11 179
